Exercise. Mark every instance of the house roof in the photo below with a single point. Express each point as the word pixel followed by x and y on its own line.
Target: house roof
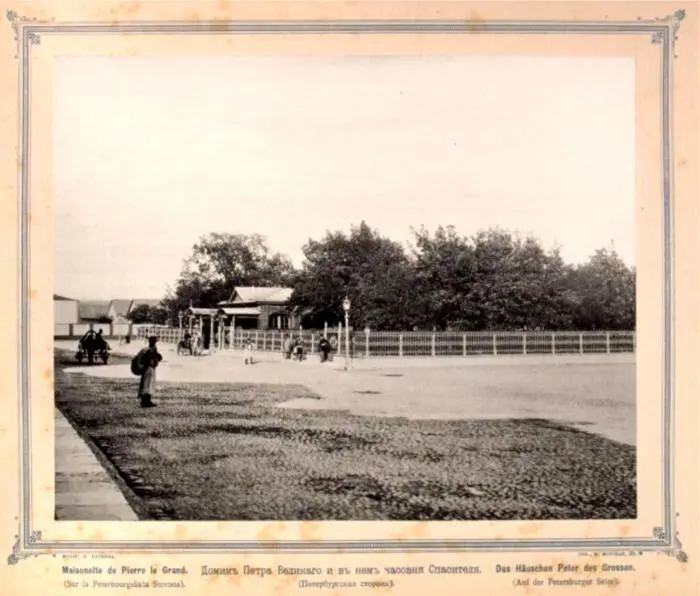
pixel 240 311
pixel 121 306
pixel 202 311
pixel 57 297
pixel 144 302
pixel 93 309
pixel 247 294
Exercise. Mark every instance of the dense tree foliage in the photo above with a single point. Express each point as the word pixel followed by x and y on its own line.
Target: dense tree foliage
pixel 372 271
pixel 144 313
pixel 494 280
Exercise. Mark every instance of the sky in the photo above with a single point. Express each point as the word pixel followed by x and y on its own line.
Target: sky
pixel 152 153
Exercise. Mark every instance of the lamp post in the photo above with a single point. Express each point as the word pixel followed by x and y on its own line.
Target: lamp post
pixel 180 315
pixel 346 308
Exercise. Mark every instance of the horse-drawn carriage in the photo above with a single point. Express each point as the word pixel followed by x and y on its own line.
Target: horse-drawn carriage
pixel 92 347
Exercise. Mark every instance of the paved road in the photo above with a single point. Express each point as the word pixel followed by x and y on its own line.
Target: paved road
pixel 596 393
pixel 84 490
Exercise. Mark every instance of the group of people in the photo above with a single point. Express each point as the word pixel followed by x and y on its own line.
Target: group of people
pixel 191 342
pixel 146 361
pixel 294 348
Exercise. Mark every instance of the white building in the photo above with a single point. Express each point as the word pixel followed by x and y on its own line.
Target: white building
pixel 65 314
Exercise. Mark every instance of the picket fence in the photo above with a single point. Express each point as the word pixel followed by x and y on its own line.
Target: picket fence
pixel 374 344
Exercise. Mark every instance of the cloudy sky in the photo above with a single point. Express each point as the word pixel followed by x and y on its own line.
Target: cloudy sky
pixel 150 154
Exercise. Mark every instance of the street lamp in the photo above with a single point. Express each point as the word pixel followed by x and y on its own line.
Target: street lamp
pixel 180 316
pixel 346 308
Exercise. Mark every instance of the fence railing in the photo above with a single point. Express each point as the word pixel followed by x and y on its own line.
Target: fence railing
pixel 375 344
pixel 76 330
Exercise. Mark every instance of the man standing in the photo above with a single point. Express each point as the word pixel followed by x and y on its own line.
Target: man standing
pixel 288 347
pixel 146 362
pixel 325 348
pixel 87 343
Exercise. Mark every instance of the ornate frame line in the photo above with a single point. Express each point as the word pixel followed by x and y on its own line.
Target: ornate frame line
pixel 661 31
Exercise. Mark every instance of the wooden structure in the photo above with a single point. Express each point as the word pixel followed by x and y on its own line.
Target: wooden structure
pixel 259 308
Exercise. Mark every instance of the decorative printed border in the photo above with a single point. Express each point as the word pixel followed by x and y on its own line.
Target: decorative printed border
pixel 662 31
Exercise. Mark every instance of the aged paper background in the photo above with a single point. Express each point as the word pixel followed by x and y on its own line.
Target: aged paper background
pixel 656 573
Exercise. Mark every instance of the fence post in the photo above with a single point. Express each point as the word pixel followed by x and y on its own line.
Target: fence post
pixel 464 344
pixel 366 342
pixel 401 345
pixel 524 343
pixel 313 344
pixel 256 340
pixel 580 343
pixel 554 343
pixel 264 341
pixel 607 342
pixel 495 345
pixel 432 344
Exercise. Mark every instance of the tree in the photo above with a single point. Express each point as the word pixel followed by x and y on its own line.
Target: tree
pixel 606 291
pixel 219 263
pixel 143 313
pixel 494 280
pixel 371 270
pixel 444 271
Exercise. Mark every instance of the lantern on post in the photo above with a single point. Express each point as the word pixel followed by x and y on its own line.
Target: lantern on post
pixel 346 308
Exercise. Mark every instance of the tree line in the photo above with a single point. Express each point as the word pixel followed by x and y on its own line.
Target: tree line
pixel 493 280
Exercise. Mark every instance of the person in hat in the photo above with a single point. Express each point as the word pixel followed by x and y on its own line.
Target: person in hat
pixel 148 359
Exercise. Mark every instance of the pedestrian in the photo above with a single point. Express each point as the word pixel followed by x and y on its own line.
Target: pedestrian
pixel 100 342
pixel 334 347
pixel 249 353
pixel 288 347
pixel 325 348
pixel 144 364
pixel 298 348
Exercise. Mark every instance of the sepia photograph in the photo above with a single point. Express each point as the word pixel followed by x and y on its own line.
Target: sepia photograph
pixel 344 287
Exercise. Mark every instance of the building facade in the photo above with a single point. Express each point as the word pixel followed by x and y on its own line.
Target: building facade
pixel 259 308
pixel 65 310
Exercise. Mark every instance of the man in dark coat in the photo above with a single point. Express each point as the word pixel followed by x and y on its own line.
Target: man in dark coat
pixel 325 347
pixel 148 359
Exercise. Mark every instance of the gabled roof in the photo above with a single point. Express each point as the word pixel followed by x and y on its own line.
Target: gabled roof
pixel 144 302
pixel 57 297
pixel 93 309
pixel 121 306
pixel 247 294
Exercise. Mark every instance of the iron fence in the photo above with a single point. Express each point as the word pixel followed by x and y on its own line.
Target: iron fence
pixel 375 344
